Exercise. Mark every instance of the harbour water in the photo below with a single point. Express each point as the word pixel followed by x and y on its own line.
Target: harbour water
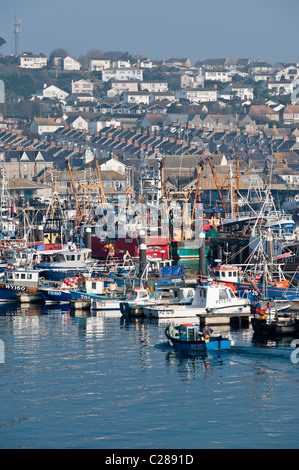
pixel 98 381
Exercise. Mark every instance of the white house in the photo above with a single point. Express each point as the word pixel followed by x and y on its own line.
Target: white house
pixel 45 125
pixel 52 92
pixel 291 114
pixel 33 61
pixel 121 64
pixel 99 64
pixel 261 76
pixel 114 165
pixel 136 97
pixel 197 95
pixel 82 86
pixel 71 64
pixel 162 96
pixel 77 122
pixel 291 72
pixel 98 123
pixel 220 75
pixel 122 74
pixel 188 80
pixel 154 85
pixel 145 63
pixel 245 92
pixel 118 86
pixel 281 87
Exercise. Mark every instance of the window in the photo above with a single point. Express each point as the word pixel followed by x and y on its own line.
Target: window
pixel 223 295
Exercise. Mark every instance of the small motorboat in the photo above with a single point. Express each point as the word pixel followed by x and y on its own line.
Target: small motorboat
pixel 138 298
pixel 209 297
pixel 187 337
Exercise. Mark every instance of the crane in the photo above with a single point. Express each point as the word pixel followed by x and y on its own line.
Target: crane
pixel 74 190
pixel 88 186
pixel 217 185
pixel 102 195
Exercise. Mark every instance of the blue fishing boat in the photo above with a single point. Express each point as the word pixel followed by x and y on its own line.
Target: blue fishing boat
pixel 56 265
pixel 188 338
pixel 166 276
pixel 83 289
pixel 14 282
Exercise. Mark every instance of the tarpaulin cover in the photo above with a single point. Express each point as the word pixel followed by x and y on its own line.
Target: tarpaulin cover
pixel 172 271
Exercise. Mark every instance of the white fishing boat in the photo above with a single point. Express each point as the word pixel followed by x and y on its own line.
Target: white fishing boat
pixel 209 298
pixel 138 298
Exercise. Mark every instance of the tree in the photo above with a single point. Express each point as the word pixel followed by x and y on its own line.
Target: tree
pixel 19 87
pixel 60 52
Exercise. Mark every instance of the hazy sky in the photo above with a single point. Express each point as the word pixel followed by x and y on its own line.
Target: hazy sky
pixel 159 29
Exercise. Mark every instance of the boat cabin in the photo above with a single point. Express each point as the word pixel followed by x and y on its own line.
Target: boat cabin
pixel 156 264
pixel 24 278
pixel 188 332
pixel 91 286
pixel 65 258
pixel 227 273
pixel 212 295
pixel 183 294
pixel 138 294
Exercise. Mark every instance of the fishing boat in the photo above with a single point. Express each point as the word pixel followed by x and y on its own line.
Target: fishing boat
pixel 159 272
pixel 261 276
pixel 138 298
pixel 264 324
pixel 76 288
pixel 70 261
pixel 209 297
pixel 188 338
pixel 19 281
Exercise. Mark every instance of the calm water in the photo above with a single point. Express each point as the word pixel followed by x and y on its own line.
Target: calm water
pixel 71 381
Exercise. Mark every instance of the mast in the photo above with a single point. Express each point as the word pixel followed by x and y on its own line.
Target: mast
pixel 197 190
pixel 238 182
pixel 217 185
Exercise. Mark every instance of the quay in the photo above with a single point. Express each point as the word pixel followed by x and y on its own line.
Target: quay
pixel 241 320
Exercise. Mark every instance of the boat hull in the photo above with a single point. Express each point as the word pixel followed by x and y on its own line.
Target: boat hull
pixel 272 292
pixel 97 304
pixel 274 328
pixel 192 312
pixel 200 346
pixel 11 293
pixel 55 295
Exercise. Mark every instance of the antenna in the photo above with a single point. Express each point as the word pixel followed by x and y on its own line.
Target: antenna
pixel 17 32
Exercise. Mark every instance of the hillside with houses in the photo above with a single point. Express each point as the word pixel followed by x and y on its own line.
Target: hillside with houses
pixel 130 112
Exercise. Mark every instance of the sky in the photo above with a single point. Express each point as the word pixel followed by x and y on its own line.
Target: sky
pixel 158 29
